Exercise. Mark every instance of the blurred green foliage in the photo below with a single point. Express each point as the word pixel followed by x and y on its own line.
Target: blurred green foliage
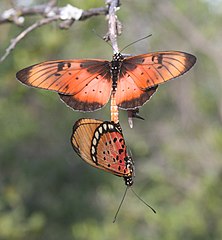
pixel 48 192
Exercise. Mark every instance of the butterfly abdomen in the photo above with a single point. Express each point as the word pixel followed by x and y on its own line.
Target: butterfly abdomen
pixel 129 165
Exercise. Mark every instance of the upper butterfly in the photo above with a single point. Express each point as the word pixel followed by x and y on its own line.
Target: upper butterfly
pixel 86 85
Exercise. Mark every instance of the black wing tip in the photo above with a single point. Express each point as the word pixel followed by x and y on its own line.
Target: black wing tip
pixel 76 125
pixel 192 59
pixel 22 75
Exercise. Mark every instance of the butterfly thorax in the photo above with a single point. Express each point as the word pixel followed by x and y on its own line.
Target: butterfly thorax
pixel 115 68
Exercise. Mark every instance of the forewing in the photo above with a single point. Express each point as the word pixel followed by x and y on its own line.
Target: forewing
pixel 101 145
pixel 111 151
pixel 63 76
pixel 81 139
pixel 84 85
pixel 148 70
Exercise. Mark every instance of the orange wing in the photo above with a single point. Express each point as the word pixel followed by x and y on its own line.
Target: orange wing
pixel 141 74
pixel 85 82
pixel 148 70
pixel 111 154
pixel 83 131
pixel 94 96
pixel 101 144
pixel 129 95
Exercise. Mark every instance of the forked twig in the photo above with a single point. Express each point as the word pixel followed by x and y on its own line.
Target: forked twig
pixel 68 15
pixel 25 32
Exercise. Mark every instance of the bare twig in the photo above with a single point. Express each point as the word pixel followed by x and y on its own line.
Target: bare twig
pixel 11 15
pixel 114 24
pixel 25 32
pixel 93 12
pixel 68 15
pixel 85 14
pixel 46 10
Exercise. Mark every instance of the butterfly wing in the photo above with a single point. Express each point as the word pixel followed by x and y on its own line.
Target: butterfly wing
pixel 101 144
pixel 129 95
pixel 94 96
pixel 81 139
pixel 141 74
pixel 76 78
pixel 148 70
pixel 111 150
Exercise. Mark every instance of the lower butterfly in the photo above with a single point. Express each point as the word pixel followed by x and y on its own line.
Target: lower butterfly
pixel 101 144
pixel 86 85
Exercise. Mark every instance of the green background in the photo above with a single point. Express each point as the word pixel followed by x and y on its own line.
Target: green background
pixel 48 192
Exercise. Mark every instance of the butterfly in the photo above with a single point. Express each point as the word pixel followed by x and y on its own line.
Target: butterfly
pixel 101 144
pixel 86 85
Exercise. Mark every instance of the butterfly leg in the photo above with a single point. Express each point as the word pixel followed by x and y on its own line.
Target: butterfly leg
pixel 133 114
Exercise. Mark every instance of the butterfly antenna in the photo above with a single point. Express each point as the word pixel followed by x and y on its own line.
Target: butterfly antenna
pixel 124 195
pixel 143 200
pixel 136 42
pixel 102 38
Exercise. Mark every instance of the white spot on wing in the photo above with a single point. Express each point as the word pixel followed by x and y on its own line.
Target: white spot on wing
pixel 93 150
pixel 94 158
pixel 101 130
pixel 94 141
pixel 110 126
pixel 97 135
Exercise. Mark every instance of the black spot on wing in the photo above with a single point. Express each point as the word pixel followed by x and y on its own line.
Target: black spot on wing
pixel 157 58
pixel 121 151
pixel 63 66
pixel 57 74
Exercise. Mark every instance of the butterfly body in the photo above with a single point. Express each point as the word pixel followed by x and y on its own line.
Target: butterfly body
pixel 101 144
pixel 115 69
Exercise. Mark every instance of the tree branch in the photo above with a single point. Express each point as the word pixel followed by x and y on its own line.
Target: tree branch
pixel 49 12
pixel 13 14
pixel 25 32
pixel 114 24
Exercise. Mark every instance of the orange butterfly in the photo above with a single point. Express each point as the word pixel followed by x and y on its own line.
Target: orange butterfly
pixel 86 85
pixel 101 144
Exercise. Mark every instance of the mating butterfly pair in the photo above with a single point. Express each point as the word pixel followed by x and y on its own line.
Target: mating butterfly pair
pixel 87 85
